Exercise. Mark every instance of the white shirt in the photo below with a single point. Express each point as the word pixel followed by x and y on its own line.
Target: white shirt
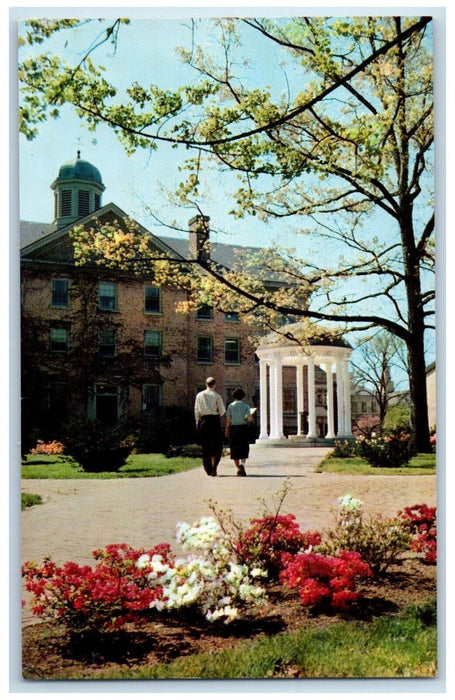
pixel 208 402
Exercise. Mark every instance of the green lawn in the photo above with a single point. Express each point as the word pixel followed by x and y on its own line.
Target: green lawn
pixel 420 464
pixel 401 646
pixel 137 465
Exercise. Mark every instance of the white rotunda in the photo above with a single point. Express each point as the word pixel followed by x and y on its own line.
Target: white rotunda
pixel 289 347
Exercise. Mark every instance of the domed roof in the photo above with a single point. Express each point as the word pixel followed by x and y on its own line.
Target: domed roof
pixel 79 169
pixel 298 333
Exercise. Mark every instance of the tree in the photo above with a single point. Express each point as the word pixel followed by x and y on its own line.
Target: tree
pixel 346 145
pixel 373 371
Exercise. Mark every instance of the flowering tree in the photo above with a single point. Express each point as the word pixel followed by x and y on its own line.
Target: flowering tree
pixel 345 145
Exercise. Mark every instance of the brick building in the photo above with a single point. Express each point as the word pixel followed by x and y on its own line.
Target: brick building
pixel 109 344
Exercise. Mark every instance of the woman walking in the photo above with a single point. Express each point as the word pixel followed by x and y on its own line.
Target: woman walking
pixel 238 415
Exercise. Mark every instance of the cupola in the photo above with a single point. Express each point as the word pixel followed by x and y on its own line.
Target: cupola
pixel 77 191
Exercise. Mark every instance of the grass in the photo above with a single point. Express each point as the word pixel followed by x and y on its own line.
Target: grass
pixel 402 646
pixel 30 499
pixel 419 465
pixel 137 465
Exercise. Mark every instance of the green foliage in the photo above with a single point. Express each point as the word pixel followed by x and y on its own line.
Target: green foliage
pixel 397 420
pixel 96 446
pixel 345 449
pixel 379 541
pixel 387 451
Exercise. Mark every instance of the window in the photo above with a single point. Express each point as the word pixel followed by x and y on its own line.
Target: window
pixel 60 293
pixel 364 406
pixel 152 344
pixel 204 349
pixel 152 300
pixel 59 339
pixel 204 312
pixel 106 343
pixel 151 396
pixel 232 351
pixel 97 201
pixel 231 316
pixel 83 202
pixel 108 296
pixel 66 202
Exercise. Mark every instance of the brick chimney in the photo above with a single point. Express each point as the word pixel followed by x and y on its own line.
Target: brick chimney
pixel 199 238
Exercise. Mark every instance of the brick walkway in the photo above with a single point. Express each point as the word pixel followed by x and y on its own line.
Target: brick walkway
pixel 78 516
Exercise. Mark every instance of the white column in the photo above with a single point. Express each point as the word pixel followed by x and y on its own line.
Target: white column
pixel 276 410
pixel 272 387
pixel 340 398
pixel 330 414
pixel 263 393
pixel 300 402
pixel 347 399
pixel 311 400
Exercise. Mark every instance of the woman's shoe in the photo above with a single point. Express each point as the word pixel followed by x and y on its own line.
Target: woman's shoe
pixel 241 471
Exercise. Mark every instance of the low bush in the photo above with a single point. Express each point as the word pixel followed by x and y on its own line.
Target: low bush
pixel 48 448
pixel 103 598
pixel 331 579
pixel 379 541
pixel 270 538
pixel 386 451
pixel 96 446
pixel 421 520
pixel 345 449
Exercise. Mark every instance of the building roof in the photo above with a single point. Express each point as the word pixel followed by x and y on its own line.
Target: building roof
pixel 78 169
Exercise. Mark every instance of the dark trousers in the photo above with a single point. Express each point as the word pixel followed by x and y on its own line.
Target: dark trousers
pixel 211 442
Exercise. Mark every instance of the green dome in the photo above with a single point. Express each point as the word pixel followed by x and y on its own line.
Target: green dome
pixel 79 170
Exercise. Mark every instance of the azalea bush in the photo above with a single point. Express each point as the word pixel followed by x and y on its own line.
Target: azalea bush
pixel 421 520
pixel 270 538
pixel 209 580
pixel 379 541
pixel 330 579
pixel 386 451
pixel 48 448
pixel 342 450
pixel 100 598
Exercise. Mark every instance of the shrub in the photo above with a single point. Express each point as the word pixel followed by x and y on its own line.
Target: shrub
pixel 185 451
pixel 48 448
pixel 103 598
pixel 378 541
pixel 387 451
pixel 209 580
pixel 345 449
pixel 165 427
pixel 271 537
pixel 96 446
pixel 421 520
pixel 331 579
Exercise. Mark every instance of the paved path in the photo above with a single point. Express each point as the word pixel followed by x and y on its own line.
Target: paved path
pixel 78 516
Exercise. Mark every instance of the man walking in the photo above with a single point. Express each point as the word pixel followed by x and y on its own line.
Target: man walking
pixel 208 409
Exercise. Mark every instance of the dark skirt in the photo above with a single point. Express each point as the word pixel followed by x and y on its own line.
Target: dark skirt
pixel 239 437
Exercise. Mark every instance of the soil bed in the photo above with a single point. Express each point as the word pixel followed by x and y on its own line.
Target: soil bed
pixel 47 653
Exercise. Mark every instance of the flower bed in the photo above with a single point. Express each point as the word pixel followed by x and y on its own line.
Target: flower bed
pixel 228 575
